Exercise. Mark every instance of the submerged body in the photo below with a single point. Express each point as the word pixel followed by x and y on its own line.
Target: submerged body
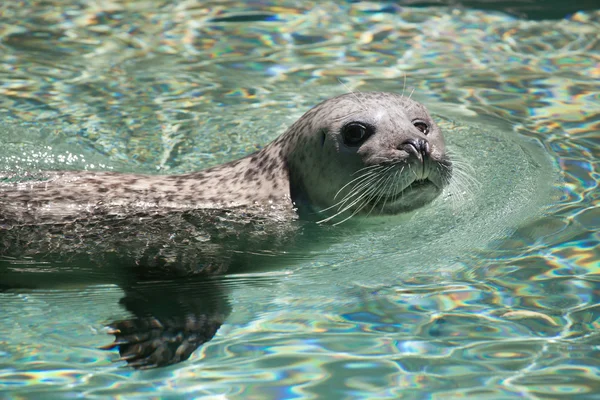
pixel 353 154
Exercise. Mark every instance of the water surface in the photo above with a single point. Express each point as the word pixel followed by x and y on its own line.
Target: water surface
pixel 494 296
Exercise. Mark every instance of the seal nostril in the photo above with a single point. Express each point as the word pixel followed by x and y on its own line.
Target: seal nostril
pixel 419 147
pixel 424 147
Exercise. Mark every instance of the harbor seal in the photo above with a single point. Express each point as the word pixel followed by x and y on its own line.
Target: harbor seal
pixel 351 155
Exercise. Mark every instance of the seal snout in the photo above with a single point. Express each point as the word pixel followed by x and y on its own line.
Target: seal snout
pixel 419 148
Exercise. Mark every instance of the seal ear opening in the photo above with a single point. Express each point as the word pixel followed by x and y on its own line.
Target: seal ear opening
pixel 323 136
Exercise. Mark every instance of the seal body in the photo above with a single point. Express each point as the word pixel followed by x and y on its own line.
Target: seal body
pixel 353 154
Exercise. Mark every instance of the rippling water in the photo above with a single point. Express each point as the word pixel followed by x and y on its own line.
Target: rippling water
pixel 493 297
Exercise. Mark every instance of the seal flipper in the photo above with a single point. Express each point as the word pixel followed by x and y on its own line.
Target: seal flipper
pixel 171 320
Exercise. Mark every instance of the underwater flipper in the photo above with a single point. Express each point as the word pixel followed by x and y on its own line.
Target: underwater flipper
pixel 171 320
pixel 148 343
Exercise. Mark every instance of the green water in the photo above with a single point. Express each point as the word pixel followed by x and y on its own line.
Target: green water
pixel 491 297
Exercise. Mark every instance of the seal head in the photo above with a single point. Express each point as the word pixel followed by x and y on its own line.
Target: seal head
pixel 366 152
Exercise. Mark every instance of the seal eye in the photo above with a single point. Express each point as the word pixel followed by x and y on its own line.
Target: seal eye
pixel 355 133
pixel 422 126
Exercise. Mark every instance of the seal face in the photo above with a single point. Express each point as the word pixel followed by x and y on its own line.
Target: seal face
pixel 366 152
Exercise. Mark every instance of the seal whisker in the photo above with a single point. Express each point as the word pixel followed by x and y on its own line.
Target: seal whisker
pixel 352 181
pixel 357 210
pixel 356 191
pixel 363 106
pixel 456 162
pixel 377 190
pixel 410 168
pixel 360 197
pixel 369 177
pixel 367 167
pixel 367 196
pixel 345 116
pixel 395 182
pixel 443 172
pixel 464 180
pixel 365 180
pixel 460 167
pixel 359 186
pixel 398 193
pixel 467 178
pixel 466 172
pixel 381 191
pixel 462 183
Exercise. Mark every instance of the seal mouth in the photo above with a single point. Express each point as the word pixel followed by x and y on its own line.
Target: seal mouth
pixel 416 189
pixel 389 188
pixel 419 183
